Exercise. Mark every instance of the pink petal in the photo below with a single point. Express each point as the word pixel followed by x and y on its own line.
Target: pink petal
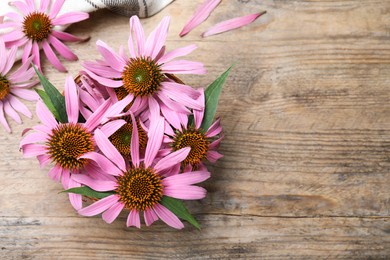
pixel 71 100
pixel 149 217
pixel 183 67
pixel 3 56
pixel 98 116
pixel 213 156
pixel 44 160
pixel 65 176
pixel 21 6
pixel 3 121
pixel 156 39
pixel 200 15
pixel 182 98
pixel 33 138
pixel 112 213
pixel 25 93
pixel 52 57
pixel 55 173
pixel 75 199
pixel 232 24
pixel 69 18
pixel 67 37
pixel 185 192
pixel 56 7
pixel 14 16
pixel 167 216
pixel 134 149
pixel 106 165
pixel 172 159
pixel 112 126
pixel 10 60
pixel 102 70
pixel 214 129
pixel 45 115
pixel 133 219
pixel 172 118
pixel 198 114
pixel 32 150
pixel 185 89
pixel 118 107
pixel 111 58
pixel 62 49
pixel 98 185
pixel 177 53
pixel 21 71
pixel 109 150
pixel 155 136
pixel 186 178
pixel 44 5
pixel 30 5
pixel 36 57
pixel 104 81
pixel 172 105
pixel 99 206
pixel 215 144
pixel 136 27
pixel 11 112
pixel 13 36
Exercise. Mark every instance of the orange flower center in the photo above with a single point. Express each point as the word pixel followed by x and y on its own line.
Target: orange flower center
pixel 142 76
pixel 195 139
pixel 37 26
pixel 139 188
pixel 4 87
pixel 67 143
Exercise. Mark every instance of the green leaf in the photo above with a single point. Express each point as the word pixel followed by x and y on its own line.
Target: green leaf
pixel 55 97
pixel 45 98
pixel 179 209
pixel 212 94
pixel 87 191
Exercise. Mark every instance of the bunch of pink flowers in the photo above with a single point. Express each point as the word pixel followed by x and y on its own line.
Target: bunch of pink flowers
pixel 128 134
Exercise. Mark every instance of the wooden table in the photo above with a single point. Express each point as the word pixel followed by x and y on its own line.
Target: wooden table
pixel 306 113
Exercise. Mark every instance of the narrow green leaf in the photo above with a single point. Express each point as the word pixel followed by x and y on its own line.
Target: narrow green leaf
pixel 212 94
pixel 55 97
pixel 45 98
pixel 179 209
pixel 87 191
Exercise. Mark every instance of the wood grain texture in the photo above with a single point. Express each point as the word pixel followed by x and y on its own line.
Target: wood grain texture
pixel 306 115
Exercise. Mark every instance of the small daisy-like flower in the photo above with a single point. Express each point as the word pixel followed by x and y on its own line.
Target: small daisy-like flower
pixel 141 78
pixel 140 186
pixel 38 27
pixel 203 142
pixel 14 85
pixel 64 143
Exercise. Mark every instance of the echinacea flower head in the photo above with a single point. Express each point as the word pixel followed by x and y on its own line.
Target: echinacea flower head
pixel 203 142
pixel 141 184
pixel 63 143
pixel 38 27
pixel 13 85
pixel 142 77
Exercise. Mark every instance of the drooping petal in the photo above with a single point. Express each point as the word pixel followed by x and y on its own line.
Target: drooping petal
pixel 71 17
pixel 200 15
pixel 44 160
pixel 155 137
pixel 198 114
pixel 214 129
pixel 109 150
pixel 32 150
pixel 181 98
pixel 10 60
pixel 106 165
pixel 133 219
pixel 98 117
pixel 177 53
pixel 55 173
pixel 51 56
pixel 185 192
pixel 185 89
pixel 167 216
pixel 149 217
pixel 118 107
pixel 111 127
pixel 186 178
pixel 232 24
pixel 99 206
pixel 36 56
pixel 106 82
pixel 26 94
pixel 183 67
pixel 3 121
pixel 12 113
pixel 3 56
pixel 98 185
pixel 71 100
pixel 62 49
pixel 110 56
pixel 33 138
pixel 75 199
pixel 112 213
pixel 67 37
pixel 134 149
pixel 172 159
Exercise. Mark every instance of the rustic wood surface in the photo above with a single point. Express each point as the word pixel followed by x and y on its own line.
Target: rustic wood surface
pixel 306 113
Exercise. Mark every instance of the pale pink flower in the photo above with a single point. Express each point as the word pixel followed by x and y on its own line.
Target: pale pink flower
pixel 143 75
pixel 14 85
pixel 64 143
pixel 203 142
pixel 141 185
pixel 200 15
pixel 232 24
pixel 37 27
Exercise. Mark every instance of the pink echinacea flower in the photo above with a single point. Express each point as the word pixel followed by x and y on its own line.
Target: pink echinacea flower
pixel 38 27
pixel 140 185
pixel 14 85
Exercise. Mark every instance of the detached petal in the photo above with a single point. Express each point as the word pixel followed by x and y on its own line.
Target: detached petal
pixel 232 24
pixel 200 15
